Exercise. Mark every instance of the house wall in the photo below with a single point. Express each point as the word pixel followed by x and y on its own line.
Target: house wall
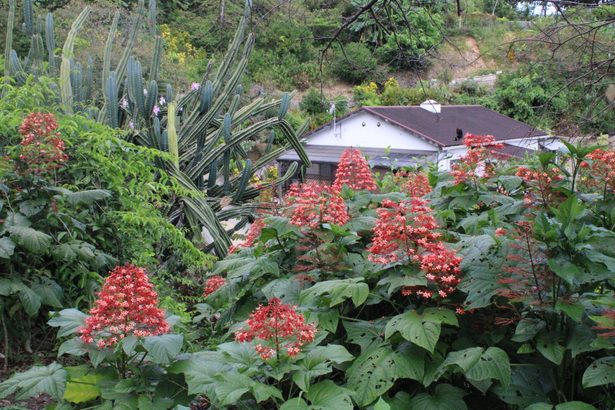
pixel 367 130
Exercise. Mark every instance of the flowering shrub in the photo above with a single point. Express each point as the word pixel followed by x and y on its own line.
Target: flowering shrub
pixel 316 204
pixel 482 150
pixel 603 168
pixel 213 284
pixel 277 325
pixel 253 233
pixel 42 149
pixel 126 305
pixel 406 231
pixel 353 171
pixel 541 183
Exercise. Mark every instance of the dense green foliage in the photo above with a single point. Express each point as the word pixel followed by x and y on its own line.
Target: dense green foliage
pixel 530 325
pixel 61 232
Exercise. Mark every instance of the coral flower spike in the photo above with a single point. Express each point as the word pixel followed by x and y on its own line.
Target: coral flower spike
pixel 127 305
pixel 353 170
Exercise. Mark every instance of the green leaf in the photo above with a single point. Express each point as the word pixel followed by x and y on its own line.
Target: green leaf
pixel 73 347
pixel 30 301
pixel 49 292
pixel 338 291
pixel 574 405
pixel 39 379
pixel 550 348
pixel 68 320
pixel 445 397
pixel 372 374
pixel 464 359
pixel 82 389
pixel 529 384
pixel 164 348
pixel 86 197
pixel 493 364
pixel 6 287
pixel 365 334
pixel 600 372
pixel 317 363
pixel 574 310
pixel 7 248
pixel 397 280
pixel 539 406
pixel 231 386
pixel 328 395
pixel 382 405
pixel 527 328
pixel 31 239
pixel 296 403
pixel 565 269
pixel 263 392
pixel 420 329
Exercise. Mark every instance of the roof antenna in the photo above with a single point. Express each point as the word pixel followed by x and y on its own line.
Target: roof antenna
pixel 459 135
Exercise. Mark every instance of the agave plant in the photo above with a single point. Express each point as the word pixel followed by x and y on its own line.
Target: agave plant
pixel 202 130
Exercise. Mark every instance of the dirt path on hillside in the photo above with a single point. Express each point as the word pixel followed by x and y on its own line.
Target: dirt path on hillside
pixel 460 59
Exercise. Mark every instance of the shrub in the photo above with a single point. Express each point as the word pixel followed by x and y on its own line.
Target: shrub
pixel 311 103
pixel 354 63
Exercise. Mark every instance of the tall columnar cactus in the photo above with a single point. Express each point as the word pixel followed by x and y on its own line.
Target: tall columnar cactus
pixel 8 45
pixel 28 17
pixel 202 130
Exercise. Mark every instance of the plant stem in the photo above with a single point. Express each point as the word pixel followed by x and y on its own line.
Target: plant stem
pixel 6 342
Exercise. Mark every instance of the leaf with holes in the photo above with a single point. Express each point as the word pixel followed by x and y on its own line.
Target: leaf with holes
pixel 600 372
pixel 550 348
pixel 164 348
pixel 372 374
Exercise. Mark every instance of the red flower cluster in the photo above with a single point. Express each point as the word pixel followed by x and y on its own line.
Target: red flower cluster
pixel 213 284
pixel 353 170
pixel 417 185
pixel 474 164
pixel 251 236
pixel 406 230
pixel 541 182
pixel 279 326
pixel 42 148
pixel 603 167
pixel 606 323
pixel 126 305
pixel 316 204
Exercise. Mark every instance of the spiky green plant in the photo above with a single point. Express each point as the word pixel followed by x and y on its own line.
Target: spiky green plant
pixel 202 129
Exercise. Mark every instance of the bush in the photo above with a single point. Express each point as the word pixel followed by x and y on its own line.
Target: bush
pixel 312 103
pixel 354 63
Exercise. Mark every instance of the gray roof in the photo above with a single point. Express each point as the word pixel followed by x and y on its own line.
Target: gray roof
pixel 375 156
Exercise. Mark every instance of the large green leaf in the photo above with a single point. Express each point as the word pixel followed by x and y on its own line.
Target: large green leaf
pixel 39 379
pixel 338 291
pixel 372 374
pixel 328 395
pixel 493 364
pixel 7 248
pixel 527 329
pixel 529 384
pixel 365 334
pixel 68 320
pixel 421 329
pixel 31 239
pixel 83 388
pixel 164 348
pixel 86 197
pixel 445 397
pixel 600 372
pixel 317 362
pixel 548 345
pixel 30 301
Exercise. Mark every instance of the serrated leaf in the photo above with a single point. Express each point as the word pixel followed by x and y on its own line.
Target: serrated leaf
pixel 73 347
pixel 600 372
pixel 263 392
pixel 31 239
pixel 39 379
pixel 365 334
pixel 164 348
pixel 372 374
pixel 68 320
pixel 574 310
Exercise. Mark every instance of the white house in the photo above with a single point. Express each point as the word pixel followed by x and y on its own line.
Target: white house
pixel 404 136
